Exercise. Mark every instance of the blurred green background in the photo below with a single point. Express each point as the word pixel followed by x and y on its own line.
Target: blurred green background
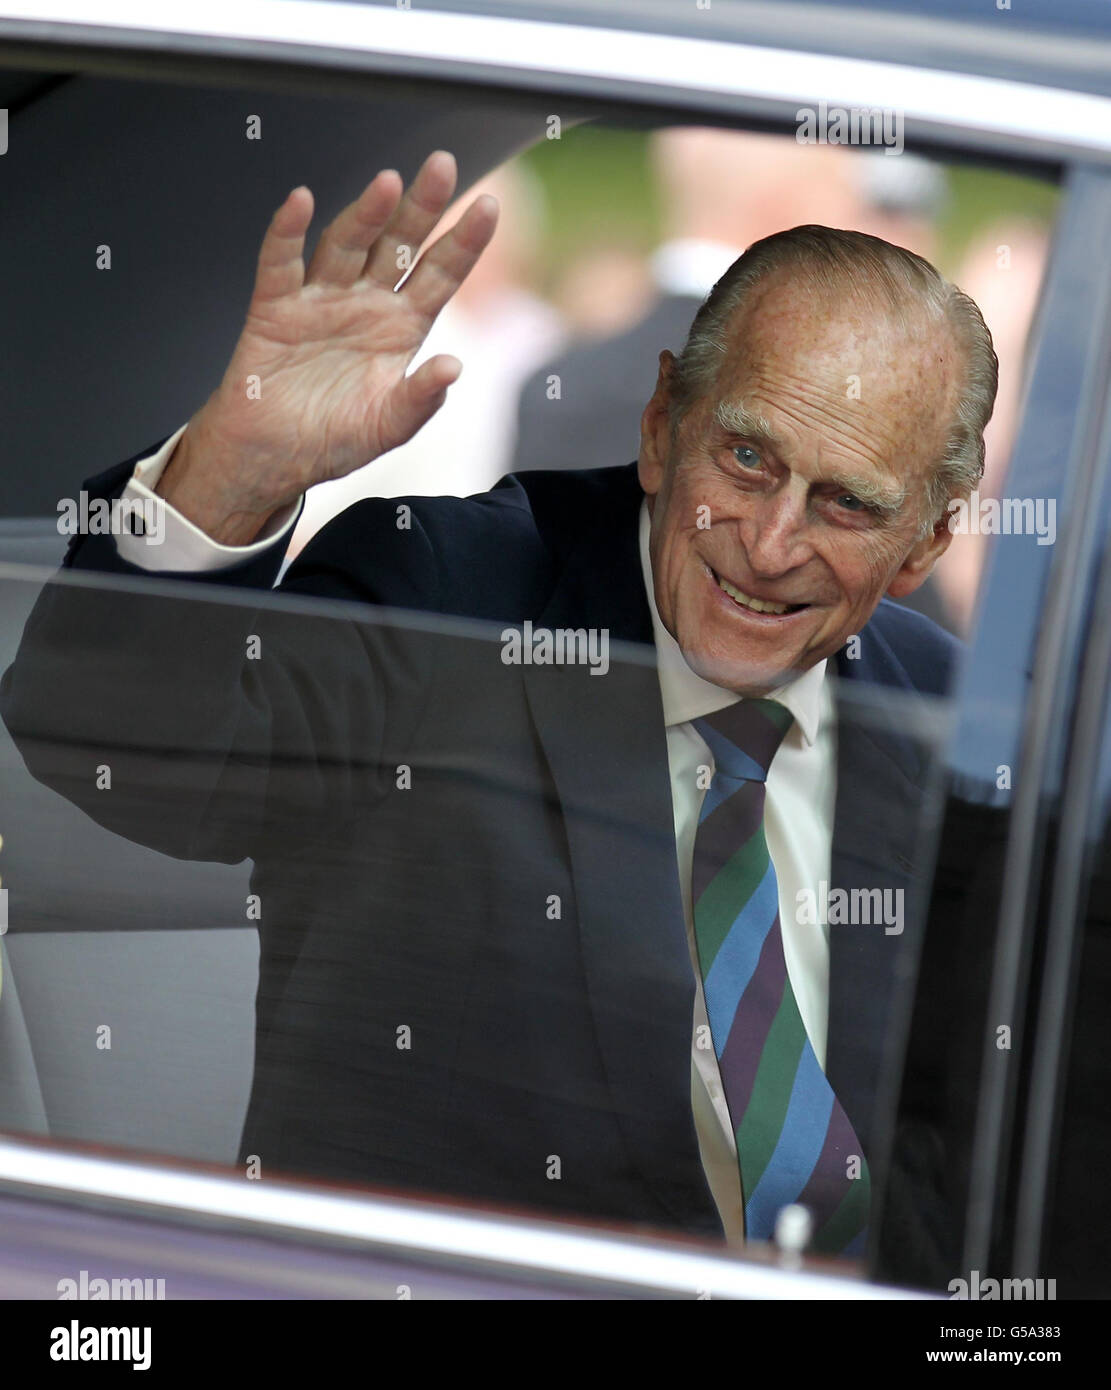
pixel 599 186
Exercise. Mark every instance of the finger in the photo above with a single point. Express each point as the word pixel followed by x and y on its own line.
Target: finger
pixel 281 269
pixel 416 215
pixel 342 250
pixel 450 259
pixel 416 398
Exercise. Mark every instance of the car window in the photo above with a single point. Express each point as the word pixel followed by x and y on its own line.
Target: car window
pixel 353 973
pixel 379 879
pixel 989 1025
pixel 1079 1131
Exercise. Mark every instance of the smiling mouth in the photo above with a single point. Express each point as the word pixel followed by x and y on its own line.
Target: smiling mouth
pixel 756 605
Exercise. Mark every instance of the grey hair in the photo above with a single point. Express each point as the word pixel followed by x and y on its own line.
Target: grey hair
pixel 835 261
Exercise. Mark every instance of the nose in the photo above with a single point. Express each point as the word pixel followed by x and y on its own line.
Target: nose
pixel 775 532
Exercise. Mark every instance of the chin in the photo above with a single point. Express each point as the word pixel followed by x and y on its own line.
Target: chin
pixel 748 678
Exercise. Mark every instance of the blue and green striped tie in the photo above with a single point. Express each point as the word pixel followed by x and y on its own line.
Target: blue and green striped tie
pixel 795 1144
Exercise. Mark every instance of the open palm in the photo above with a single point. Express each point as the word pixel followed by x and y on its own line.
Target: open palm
pixel 317 383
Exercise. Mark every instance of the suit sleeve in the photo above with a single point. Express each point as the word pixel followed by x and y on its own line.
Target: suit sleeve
pixel 197 713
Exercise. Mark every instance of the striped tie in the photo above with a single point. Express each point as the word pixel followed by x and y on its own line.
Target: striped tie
pixel 794 1142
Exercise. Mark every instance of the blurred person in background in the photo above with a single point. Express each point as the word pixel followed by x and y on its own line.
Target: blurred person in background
pixel 604 291
pixel 722 190
pixel 899 200
pixel 1002 271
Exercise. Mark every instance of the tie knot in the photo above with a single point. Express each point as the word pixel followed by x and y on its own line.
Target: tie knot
pixel 745 736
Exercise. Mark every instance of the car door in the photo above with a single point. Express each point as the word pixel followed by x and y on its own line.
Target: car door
pixel 1020 687
pixel 991 1050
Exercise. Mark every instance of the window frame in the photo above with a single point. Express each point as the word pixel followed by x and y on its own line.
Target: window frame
pixel 763 92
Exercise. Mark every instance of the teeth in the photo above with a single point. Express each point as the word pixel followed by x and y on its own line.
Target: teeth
pixel 758 605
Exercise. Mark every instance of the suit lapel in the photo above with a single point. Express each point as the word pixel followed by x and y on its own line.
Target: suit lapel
pixel 880 786
pixel 604 740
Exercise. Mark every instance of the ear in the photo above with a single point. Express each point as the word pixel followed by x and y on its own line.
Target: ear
pixel 922 558
pixel 655 429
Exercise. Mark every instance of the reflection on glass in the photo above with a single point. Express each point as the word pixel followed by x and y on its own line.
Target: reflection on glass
pixel 396 901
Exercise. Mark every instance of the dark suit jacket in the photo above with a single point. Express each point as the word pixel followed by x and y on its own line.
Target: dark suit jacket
pixel 546 1062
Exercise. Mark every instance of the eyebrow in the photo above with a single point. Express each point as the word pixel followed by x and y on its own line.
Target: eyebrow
pixel 885 497
pixel 736 417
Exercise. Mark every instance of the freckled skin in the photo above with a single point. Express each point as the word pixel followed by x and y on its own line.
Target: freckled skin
pixel 781 528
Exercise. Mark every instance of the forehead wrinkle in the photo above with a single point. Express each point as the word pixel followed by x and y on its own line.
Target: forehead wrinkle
pixel 795 356
pixel 811 404
pixel 804 337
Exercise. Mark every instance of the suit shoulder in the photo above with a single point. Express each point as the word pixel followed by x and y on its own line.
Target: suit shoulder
pixel 491 555
pixel 927 653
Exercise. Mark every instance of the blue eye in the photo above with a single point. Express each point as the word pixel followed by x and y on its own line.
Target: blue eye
pixel 749 458
pixel 855 503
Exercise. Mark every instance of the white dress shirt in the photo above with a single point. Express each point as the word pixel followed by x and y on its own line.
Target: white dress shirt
pixel 183 546
pixel 798 809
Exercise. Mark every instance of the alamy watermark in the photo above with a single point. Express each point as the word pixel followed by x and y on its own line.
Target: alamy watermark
pixel 1004 516
pixel 84 1287
pixel 851 907
pixel 77 1343
pixel 881 126
pixel 561 646
pixel 119 516
pixel 977 1288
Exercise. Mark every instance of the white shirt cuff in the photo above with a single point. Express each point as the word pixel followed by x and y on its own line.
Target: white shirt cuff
pixel 183 546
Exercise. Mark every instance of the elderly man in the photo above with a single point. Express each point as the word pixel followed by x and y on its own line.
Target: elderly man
pixel 526 936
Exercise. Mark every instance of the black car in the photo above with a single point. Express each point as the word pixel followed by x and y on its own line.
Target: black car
pixel 135 187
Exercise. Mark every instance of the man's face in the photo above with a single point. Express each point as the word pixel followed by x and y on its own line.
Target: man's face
pixel 797 480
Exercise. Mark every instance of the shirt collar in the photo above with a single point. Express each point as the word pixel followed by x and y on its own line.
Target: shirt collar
pixel 687 696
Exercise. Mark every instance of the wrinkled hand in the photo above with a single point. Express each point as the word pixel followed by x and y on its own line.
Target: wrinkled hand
pixel 316 386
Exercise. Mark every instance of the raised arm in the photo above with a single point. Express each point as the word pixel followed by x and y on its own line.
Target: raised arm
pixel 214 716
